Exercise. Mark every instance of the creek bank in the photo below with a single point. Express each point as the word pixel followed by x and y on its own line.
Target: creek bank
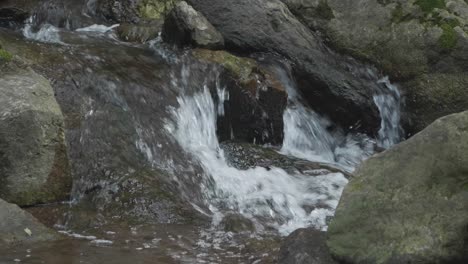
pixel 409 203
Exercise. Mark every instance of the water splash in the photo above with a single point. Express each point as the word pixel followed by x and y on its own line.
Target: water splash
pixel 97 28
pixel 281 200
pixel 46 33
pixel 306 134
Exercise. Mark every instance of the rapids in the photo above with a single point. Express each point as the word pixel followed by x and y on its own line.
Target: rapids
pixel 148 106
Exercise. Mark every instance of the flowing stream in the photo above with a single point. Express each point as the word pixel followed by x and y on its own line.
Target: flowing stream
pixel 173 126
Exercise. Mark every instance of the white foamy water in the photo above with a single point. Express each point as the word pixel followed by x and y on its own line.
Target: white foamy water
pixel 281 200
pixel 47 33
pixel 97 28
pixel 388 103
pixel 306 135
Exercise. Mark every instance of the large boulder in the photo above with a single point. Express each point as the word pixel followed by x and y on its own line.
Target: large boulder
pixel 410 203
pixel 305 246
pixel 18 226
pixel 423 44
pixel 334 85
pixel 185 26
pixel 33 159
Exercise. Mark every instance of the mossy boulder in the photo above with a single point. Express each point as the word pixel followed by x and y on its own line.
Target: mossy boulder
pixel 254 106
pixel 19 227
pixel 410 203
pixel 155 9
pixel 409 40
pixel 34 165
pixel 134 11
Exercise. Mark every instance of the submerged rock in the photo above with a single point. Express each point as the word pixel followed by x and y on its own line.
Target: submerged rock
pixel 185 26
pixel 305 246
pixel 141 32
pixel 33 159
pixel 410 203
pixel 334 85
pixel 237 223
pixel 422 43
pixel 254 100
pixel 245 156
pixel 18 226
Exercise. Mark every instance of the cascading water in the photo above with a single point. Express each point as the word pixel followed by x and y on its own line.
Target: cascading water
pixel 272 194
pixel 306 135
pixel 388 103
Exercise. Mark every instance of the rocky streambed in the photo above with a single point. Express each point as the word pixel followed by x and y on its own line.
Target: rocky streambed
pixel 226 131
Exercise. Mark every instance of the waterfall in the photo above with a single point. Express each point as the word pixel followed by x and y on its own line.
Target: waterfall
pixel 278 198
pixel 306 135
pixel 388 101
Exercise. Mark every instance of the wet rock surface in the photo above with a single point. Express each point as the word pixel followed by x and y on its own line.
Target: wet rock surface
pixel 305 246
pixel 322 75
pixel 409 203
pixel 184 26
pixel 34 166
pixel 245 156
pixel 422 43
pixel 19 227
pixel 253 101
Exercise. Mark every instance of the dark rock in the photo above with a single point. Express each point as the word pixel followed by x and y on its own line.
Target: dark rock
pixel 424 44
pixel 334 85
pixel 184 26
pixel 256 101
pixel 34 164
pixel 12 17
pixel 15 224
pixel 305 246
pixel 237 223
pixel 408 204
pixel 244 156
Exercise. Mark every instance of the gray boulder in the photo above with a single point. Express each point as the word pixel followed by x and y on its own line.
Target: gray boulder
pixel 334 85
pixel 33 159
pixel 18 226
pixel 185 26
pixel 410 203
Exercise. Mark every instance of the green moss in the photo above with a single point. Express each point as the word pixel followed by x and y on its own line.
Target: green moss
pixel 427 6
pixel 397 14
pixel 449 38
pixel 155 9
pixel 5 55
pixel 240 67
pixel 324 10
